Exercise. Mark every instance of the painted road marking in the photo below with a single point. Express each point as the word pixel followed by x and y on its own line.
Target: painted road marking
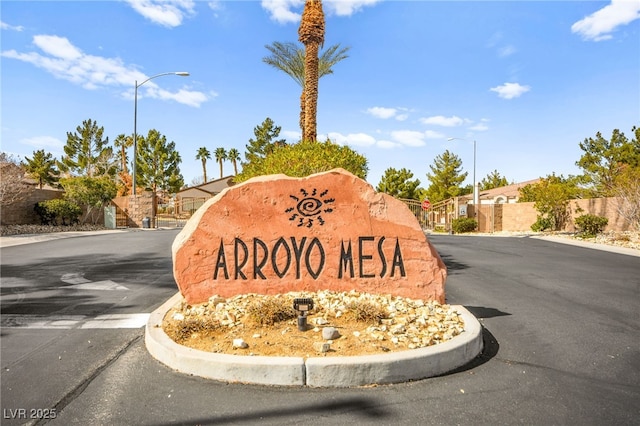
pixel 105 321
pixel 79 282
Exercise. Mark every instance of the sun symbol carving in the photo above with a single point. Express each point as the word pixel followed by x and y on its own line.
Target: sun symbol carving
pixel 310 207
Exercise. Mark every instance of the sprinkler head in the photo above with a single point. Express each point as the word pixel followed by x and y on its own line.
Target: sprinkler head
pixel 302 306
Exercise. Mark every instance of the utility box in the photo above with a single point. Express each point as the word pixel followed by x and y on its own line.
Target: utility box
pixel 110 217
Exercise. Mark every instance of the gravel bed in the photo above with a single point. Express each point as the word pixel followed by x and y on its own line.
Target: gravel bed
pixel 7 230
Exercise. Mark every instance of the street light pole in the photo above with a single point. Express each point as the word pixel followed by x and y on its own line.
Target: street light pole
pixel 135 120
pixel 476 195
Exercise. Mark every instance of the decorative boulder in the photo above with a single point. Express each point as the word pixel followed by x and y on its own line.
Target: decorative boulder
pixel 328 231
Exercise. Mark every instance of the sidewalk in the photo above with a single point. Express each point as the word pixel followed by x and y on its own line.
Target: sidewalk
pixel 588 244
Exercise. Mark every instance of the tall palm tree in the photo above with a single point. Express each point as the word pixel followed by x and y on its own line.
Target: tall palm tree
pixel 289 57
pixel 234 155
pixel 203 155
pixel 311 34
pixel 124 143
pixel 221 155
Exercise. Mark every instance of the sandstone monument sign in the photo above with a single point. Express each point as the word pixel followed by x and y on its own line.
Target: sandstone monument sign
pixel 327 231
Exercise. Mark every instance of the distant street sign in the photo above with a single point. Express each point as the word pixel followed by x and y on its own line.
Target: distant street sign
pixel 426 204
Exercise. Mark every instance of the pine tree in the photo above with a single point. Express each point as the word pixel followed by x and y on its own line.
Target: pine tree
pixel 42 167
pixel 604 159
pixel 158 163
pixel 493 180
pixel 264 142
pixel 87 154
pixel 446 177
pixel 399 184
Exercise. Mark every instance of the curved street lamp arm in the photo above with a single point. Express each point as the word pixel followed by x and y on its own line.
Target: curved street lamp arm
pixel 180 73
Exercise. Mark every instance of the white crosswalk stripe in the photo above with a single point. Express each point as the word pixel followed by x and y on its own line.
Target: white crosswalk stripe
pixel 74 321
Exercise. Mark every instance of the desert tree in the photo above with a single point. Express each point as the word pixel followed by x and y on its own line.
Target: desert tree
pixel 493 180
pixel 221 155
pixel 203 155
pixel 400 184
pixel 158 163
pixel 13 188
pixel 603 159
pixel 446 177
pixel 42 167
pixel 265 141
pixel 311 34
pixel 234 156
pixel 289 57
pixel 86 153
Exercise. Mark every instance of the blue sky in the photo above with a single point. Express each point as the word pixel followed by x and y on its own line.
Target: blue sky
pixel 528 81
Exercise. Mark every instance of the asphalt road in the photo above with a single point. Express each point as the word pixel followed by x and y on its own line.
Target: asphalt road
pixel 562 342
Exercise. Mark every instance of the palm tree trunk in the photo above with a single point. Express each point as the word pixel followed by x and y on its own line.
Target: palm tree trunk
pixel 303 99
pixel 204 169
pixel 311 34
pixel 311 92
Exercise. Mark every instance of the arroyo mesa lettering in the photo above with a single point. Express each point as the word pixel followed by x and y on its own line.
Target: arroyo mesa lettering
pixel 251 260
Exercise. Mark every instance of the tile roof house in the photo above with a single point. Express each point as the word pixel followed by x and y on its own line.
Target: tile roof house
pixel 505 194
pixel 189 199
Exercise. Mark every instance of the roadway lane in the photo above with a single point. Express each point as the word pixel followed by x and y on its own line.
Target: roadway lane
pixel 562 347
pixel 70 307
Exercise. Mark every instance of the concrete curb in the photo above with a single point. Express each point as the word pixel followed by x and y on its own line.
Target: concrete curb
pixel 393 367
pixel 589 245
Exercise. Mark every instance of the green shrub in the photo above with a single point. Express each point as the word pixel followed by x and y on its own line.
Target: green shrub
pixel 542 224
pixel 52 210
pixel 463 224
pixel 305 158
pixel 590 225
pixel 47 217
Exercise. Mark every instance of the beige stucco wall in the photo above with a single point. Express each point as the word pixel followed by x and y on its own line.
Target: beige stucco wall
pixel 22 212
pixel 520 216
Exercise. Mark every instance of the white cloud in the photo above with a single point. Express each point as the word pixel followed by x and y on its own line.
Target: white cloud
pixel 388 144
pixel 510 90
pixel 399 114
pixel 168 13
pixel 291 135
pixel 65 61
pixel 44 142
pixel 182 96
pixel 282 12
pixel 480 127
pixel 348 7
pixel 5 26
pixel 601 23
pixel 216 6
pixel 399 139
pixel 354 139
pixel 381 112
pixel 409 137
pixel 430 134
pixel 505 51
pixel 440 120
pixel 56 46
